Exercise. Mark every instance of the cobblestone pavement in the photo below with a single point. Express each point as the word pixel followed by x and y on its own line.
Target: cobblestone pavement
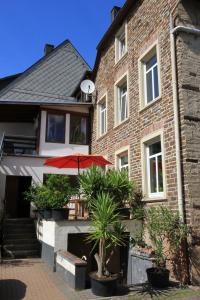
pixel 31 279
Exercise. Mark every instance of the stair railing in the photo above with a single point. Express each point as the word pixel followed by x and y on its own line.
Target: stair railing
pixel 1 146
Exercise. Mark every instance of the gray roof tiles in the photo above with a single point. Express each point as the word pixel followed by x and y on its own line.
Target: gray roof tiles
pixel 51 80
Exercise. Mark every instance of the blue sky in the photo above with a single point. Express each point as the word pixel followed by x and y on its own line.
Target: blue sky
pixel 26 25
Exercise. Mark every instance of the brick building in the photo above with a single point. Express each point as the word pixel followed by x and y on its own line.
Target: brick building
pixel 147 114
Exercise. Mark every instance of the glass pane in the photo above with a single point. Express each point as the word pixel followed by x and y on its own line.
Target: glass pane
pixel 160 174
pixel 56 128
pixel 123 108
pixel 124 160
pixel 149 83
pixel 155 148
pixel 151 62
pixel 156 84
pixel 78 130
pixel 152 166
pixel 103 122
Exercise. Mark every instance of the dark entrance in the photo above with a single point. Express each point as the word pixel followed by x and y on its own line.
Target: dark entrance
pixel 16 206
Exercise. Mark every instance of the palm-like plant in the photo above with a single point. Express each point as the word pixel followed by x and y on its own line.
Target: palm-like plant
pixel 107 231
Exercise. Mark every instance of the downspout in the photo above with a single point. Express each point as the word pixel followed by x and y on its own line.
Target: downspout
pixel 173 31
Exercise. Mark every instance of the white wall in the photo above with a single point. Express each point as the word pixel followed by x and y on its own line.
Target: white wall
pixel 26 129
pixel 57 149
pixel 27 166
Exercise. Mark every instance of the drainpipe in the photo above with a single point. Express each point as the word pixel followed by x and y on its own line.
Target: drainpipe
pixel 173 31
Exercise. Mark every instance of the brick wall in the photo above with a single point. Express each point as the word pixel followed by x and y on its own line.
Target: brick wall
pixel 146 23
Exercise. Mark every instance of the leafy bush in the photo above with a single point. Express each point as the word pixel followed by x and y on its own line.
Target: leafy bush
pixel 164 226
pixel 54 194
pixel 39 195
pixel 114 182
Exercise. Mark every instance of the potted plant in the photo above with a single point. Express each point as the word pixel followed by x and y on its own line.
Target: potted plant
pixel 107 232
pixel 39 195
pixel 60 192
pixel 166 233
pixel 120 189
pixel 114 182
pixel 92 182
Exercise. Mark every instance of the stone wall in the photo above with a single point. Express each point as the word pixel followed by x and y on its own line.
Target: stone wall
pixel 188 56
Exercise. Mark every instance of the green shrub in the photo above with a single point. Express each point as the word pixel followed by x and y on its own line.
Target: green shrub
pixel 55 193
pixel 164 226
pixel 116 183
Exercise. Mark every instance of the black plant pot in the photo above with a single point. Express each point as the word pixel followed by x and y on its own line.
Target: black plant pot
pixel 47 213
pixel 158 277
pixel 104 287
pixel 124 213
pixel 60 213
pixel 40 213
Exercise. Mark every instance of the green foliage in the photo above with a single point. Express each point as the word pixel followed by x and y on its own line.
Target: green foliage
pixel 107 231
pixel 118 186
pixel 39 195
pixel 116 183
pixel 92 182
pixel 54 194
pixel 164 226
pixel 136 204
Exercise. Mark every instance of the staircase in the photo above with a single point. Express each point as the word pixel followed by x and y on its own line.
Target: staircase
pixel 19 239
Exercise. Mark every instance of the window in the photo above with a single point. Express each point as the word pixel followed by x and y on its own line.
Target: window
pixel 122 161
pixel 154 168
pixel 150 76
pixel 55 129
pixel 120 43
pixel 102 115
pixel 121 101
pixel 78 130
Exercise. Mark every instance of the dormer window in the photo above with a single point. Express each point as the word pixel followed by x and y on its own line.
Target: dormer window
pixel 120 43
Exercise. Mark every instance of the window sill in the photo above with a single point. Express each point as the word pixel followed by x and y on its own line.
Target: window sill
pixel 101 136
pixel 121 123
pixel 154 199
pixel 150 104
pixel 121 58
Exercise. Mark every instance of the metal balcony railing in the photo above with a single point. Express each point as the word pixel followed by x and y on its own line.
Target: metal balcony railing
pixel 19 145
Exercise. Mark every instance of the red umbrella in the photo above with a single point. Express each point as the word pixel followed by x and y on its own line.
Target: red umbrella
pixel 77 160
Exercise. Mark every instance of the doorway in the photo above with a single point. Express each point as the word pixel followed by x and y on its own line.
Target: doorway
pixel 16 205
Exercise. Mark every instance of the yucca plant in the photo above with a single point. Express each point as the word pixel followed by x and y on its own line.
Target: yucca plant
pixel 107 232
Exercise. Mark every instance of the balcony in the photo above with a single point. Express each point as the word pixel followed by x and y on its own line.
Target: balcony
pixel 19 145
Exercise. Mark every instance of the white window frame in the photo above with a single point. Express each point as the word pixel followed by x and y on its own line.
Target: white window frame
pixel 145 161
pixel 121 35
pixel 119 97
pixel 103 99
pixel 145 72
pixel 118 154
pixel 148 158
pixel 143 60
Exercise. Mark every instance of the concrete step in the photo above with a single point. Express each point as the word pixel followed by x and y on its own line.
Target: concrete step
pixel 22 253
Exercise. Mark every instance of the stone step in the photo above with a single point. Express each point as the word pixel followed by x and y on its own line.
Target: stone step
pixel 22 253
pixel 22 241
pixel 18 221
pixel 27 246
pixel 16 236
pixel 18 229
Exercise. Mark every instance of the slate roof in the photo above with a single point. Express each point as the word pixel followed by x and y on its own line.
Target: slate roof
pixel 52 79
